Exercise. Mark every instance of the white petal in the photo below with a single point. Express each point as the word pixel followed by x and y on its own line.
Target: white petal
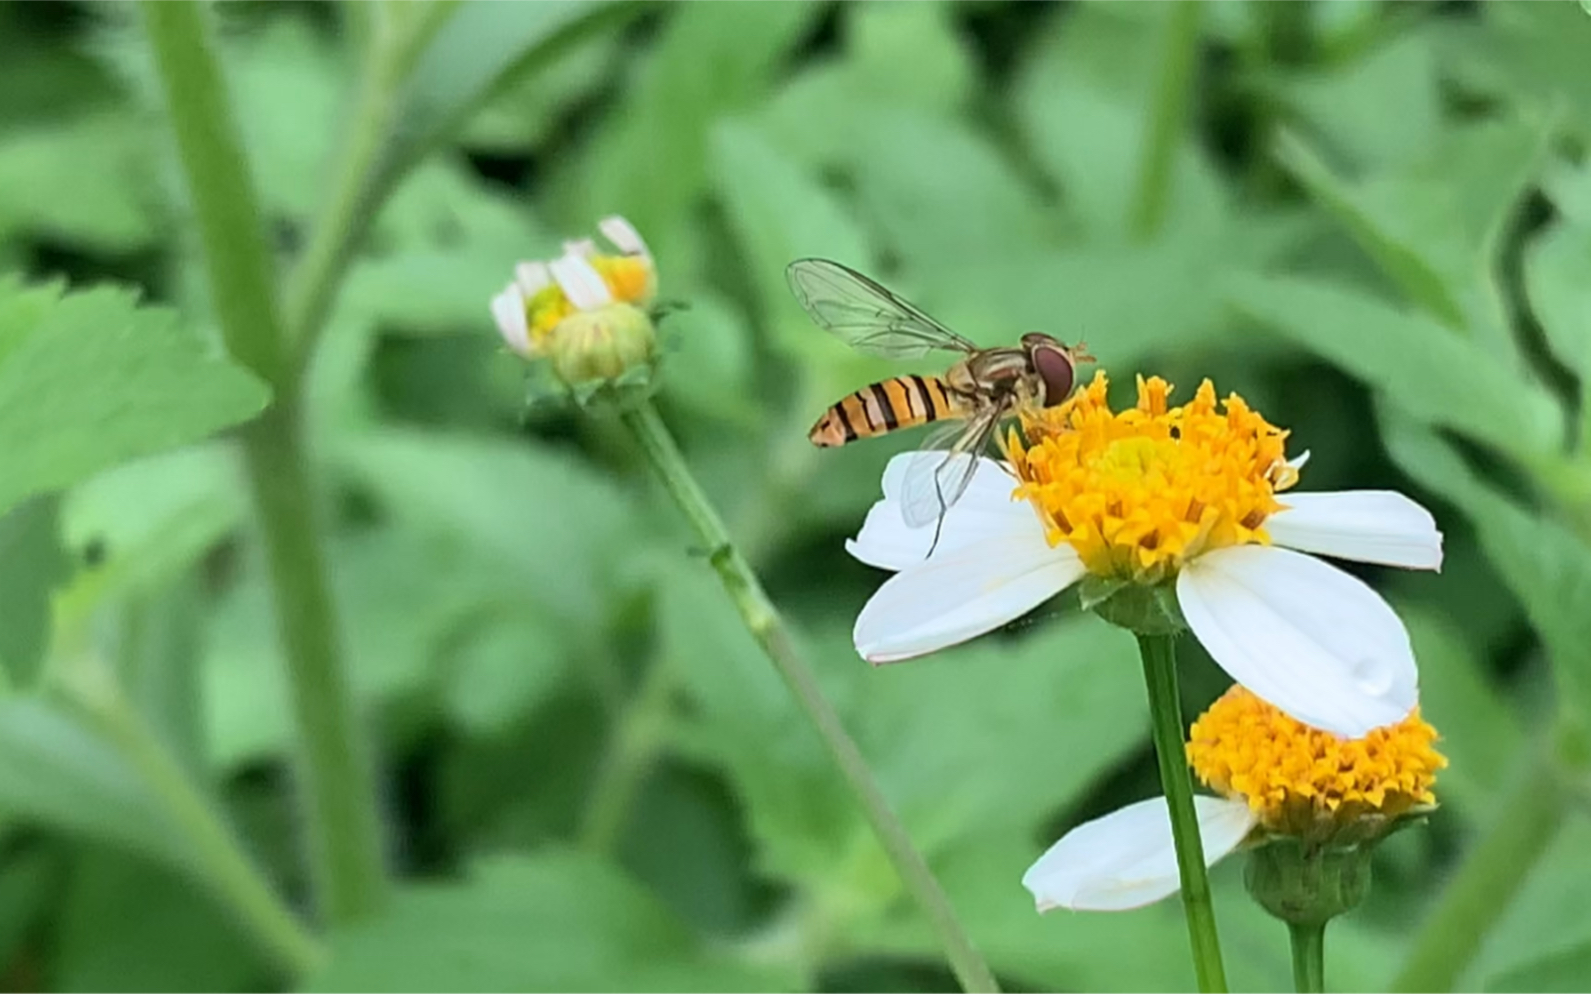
pixel 623 236
pixel 1372 526
pixel 532 277
pixel 1127 859
pixel 1298 461
pixel 581 282
pixel 508 308
pixel 984 511
pixel 1303 635
pixel 585 248
pixel 955 597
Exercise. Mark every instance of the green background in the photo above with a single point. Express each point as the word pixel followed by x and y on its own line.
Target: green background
pixel 1371 220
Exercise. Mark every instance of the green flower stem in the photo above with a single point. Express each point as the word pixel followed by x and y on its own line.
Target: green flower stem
pixel 1309 957
pixel 1165 715
pixel 1524 823
pixel 344 831
pixel 229 872
pixel 764 623
pixel 1168 119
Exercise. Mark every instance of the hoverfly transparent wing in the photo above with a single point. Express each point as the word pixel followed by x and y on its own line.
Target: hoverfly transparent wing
pixel 934 482
pixel 869 317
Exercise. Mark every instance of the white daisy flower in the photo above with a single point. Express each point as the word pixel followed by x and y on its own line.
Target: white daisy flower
pixel 585 310
pixel 1276 777
pixel 1186 498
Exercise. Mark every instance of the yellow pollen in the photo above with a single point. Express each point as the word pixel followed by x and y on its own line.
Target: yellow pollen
pixel 628 277
pixel 1139 492
pixel 1297 778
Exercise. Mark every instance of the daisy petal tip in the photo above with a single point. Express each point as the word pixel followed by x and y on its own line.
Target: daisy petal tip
pixel 580 282
pixel 618 230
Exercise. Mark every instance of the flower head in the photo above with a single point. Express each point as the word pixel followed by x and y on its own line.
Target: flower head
pixel 1139 492
pixel 1306 801
pixel 1183 503
pixel 585 310
pixel 1303 782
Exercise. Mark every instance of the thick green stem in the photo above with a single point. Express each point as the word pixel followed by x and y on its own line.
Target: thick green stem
pixel 1165 714
pixel 1524 823
pixel 1309 957
pixel 228 871
pixel 343 827
pixel 1167 119
pixel 339 782
pixel 764 623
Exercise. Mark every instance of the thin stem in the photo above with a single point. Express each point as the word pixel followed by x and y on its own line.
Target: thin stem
pixel 228 870
pixel 1165 714
pixel 636 741
pixel 1168 119
pixel 764 623
pixel 1309 957
pixel 344 831
pixel 360 180
pixel 1524 823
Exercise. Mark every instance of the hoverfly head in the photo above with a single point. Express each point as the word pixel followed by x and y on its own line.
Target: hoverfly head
pixel 1054 363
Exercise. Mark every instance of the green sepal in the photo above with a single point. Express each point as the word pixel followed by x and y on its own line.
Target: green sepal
pixel 1305 884
pixel 1141 609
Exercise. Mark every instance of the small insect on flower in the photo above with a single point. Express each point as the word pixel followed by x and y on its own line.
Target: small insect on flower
pixel 1182 508
pixel 1320 800
pixel 975 395
pixel 585 311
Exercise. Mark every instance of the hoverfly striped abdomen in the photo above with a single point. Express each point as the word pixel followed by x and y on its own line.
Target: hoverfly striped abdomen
pixel 886 406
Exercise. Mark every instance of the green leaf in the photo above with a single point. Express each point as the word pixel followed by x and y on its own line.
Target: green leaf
pixel 505 670
pixel 1541 938
pixel 32 564
pixel 1481 735
pixel 1557 274
pixel 1433 224
pixel 1083 99
pixel 553 527
pixel 708 63
pixel 478 48
pixel 88 380
pixel 409 602
pixel 1565 970
pixel 1399 77
pixel 1547 566
pixel 1067 689
pixel 780 213
pixel 85 181
pixel 1432 372
pixel 552 921
pixel 1531 54
pixel 57 772
pixel 133 926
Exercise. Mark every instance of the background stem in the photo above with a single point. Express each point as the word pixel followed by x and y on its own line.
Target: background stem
pixel 1309 957
pixel 1165 713
pixel 228 870
pixel 1524 823
pixel 1168 119
pixel 764 623
pixel 340 792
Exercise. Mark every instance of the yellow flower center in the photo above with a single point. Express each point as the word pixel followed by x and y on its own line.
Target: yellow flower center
pixel 629 279
pixel 1138 492
pixel 1301 780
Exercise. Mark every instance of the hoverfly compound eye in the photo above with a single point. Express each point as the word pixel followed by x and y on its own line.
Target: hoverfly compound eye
pixel 1055 368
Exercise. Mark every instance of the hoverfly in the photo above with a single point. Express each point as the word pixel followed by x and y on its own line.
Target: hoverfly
pixel 975 394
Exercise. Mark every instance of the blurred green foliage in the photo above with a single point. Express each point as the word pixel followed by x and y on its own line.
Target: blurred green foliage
pixel 1376 226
